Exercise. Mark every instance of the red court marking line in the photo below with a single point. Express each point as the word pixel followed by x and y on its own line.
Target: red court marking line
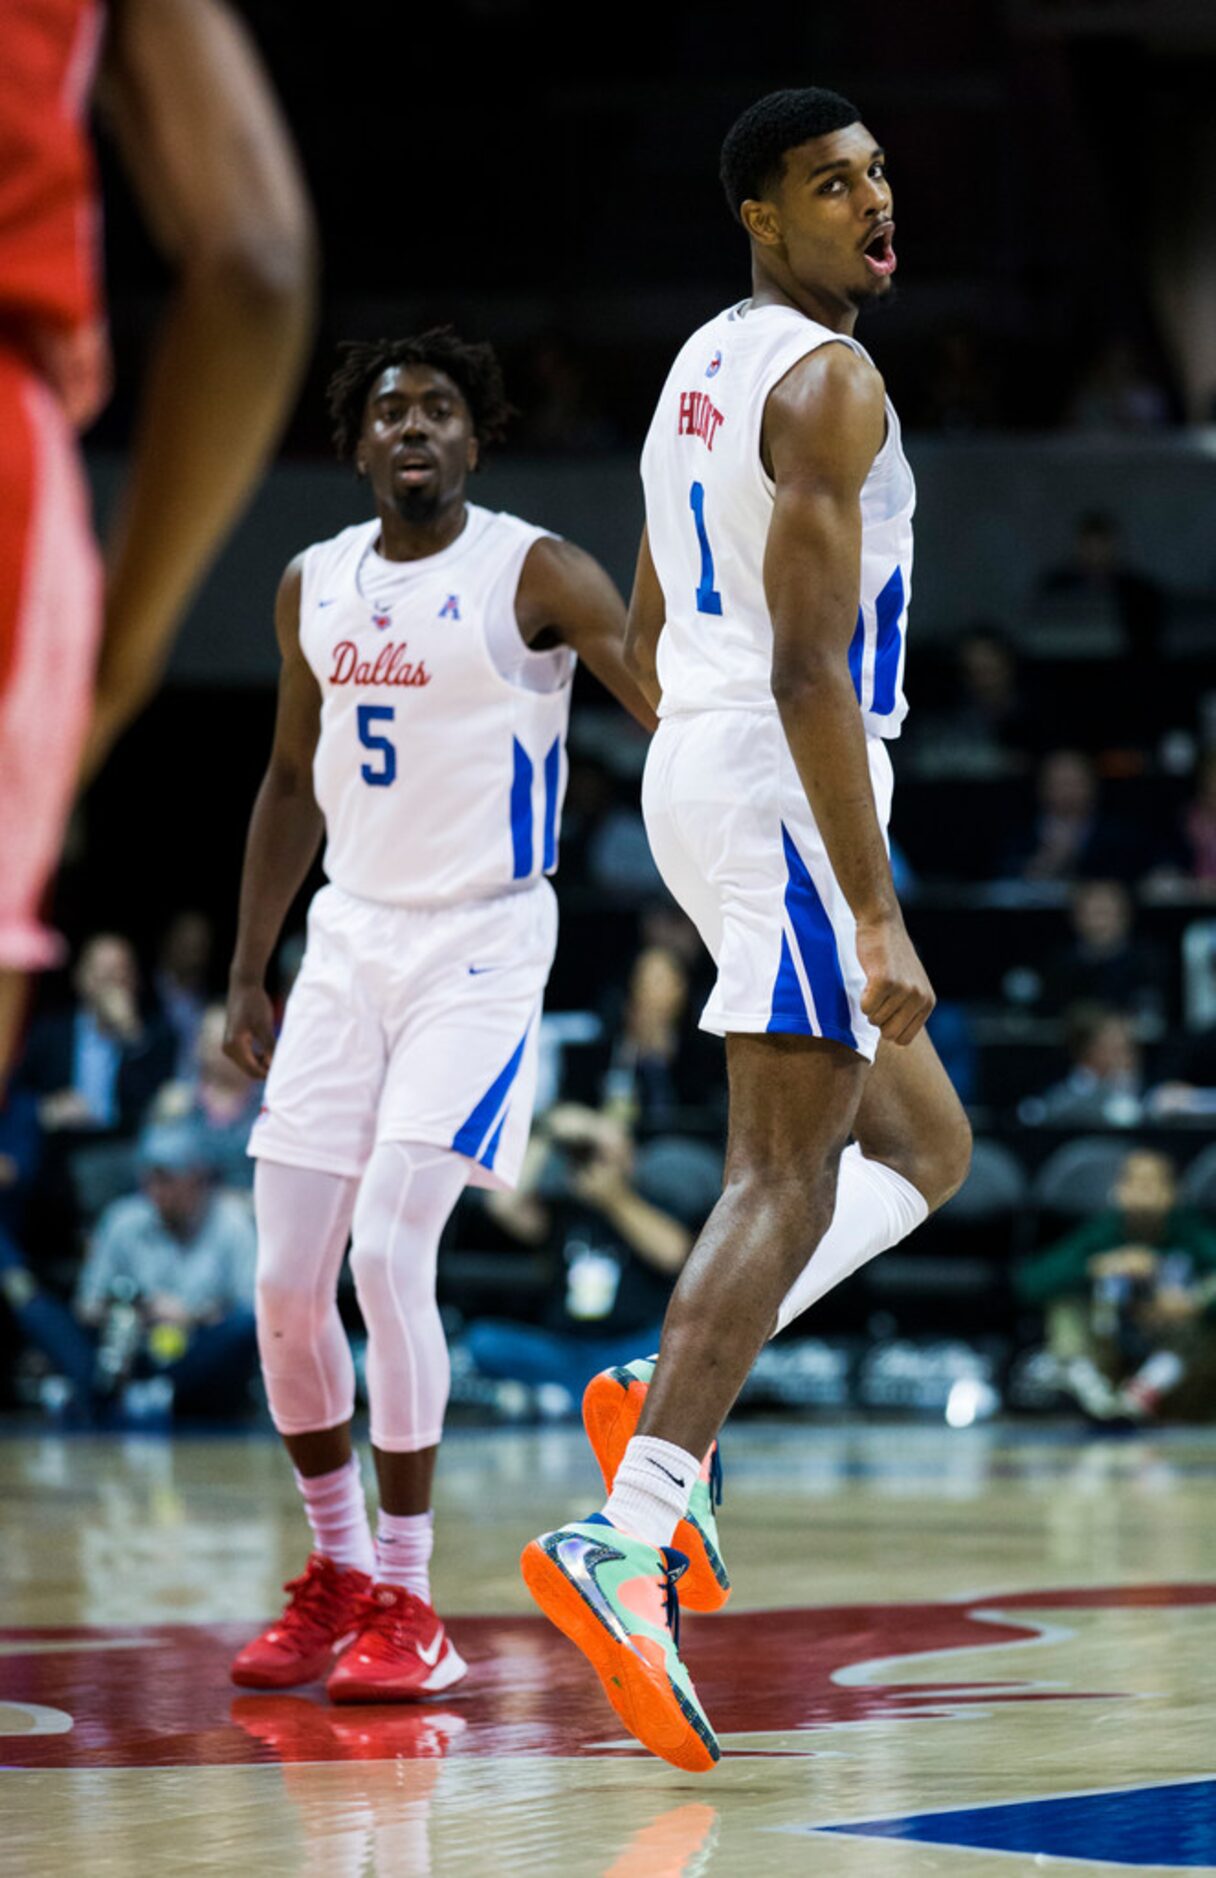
pixel 529 1693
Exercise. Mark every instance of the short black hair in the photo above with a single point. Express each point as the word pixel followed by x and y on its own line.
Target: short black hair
pixel 753 153
pixel 472 365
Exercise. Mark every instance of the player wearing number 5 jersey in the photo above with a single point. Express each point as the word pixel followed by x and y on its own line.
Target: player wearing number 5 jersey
pixel 428 656
pixel 768 626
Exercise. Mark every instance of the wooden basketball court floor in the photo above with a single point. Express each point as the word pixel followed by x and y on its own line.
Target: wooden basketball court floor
pixel 956 1652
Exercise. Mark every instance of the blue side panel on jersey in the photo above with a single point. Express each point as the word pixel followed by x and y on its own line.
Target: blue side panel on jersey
pixel 789 1012
pixel 521 812
pixel 487 1156
pixel 888 611
pixel 817 944
pixel 553 766
pixel 1166 1825
pixel 472 1132
pixel 857 652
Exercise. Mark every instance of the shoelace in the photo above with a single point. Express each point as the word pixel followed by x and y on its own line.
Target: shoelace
pixel 314 1602
pixel 675 1564
pixel 715 1476
pixel 398 1620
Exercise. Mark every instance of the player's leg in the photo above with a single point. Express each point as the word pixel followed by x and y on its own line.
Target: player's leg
pixel 312 1141
pixel 456 1105
pixel 50 619
pixel 604 1581
pixel 911 1154
pixel 793 1101
pixel 303 1219
pixel 405 1199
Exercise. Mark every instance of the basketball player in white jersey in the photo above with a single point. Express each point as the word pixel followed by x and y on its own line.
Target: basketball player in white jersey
pixel 768 627
pixel 428 656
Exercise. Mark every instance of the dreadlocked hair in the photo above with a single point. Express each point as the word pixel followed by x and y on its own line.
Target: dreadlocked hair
pixel 753 154
pixel 471 365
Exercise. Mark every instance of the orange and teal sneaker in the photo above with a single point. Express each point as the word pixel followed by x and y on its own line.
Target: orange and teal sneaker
pixel 612 1404
pixel 615 1598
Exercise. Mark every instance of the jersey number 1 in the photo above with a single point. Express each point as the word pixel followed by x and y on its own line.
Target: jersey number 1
pixel 709 600
pixel 367 716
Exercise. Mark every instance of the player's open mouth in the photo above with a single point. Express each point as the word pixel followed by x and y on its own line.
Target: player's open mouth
pixel 879 252
pixel 414 469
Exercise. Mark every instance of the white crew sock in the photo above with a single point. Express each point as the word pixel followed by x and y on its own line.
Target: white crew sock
pixel 875 1209
pixel 337 1513
pixel 404 1542
pixel 649 1496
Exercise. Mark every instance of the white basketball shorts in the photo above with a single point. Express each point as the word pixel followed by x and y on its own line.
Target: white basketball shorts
pixel 412 1024
pixel 733 836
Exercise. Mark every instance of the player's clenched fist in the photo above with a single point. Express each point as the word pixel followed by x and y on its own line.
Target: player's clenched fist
pixel 249 1032
pixel 898 997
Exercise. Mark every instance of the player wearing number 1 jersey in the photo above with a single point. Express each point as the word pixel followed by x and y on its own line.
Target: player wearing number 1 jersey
pixel 427 662
pixel 768 626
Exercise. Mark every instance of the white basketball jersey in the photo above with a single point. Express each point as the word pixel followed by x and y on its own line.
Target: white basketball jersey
pixel 709 503
pixel 440 767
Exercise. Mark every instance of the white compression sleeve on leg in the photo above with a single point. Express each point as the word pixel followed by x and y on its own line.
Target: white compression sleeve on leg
pixel 407 1194
pixel 875 1209
pixel 303 1221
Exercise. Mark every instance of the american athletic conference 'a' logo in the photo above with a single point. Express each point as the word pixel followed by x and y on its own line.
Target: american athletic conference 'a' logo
pixel 450 608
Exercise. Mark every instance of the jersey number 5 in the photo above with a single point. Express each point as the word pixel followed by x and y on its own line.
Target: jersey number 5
pixel 367 717
pixel 709 600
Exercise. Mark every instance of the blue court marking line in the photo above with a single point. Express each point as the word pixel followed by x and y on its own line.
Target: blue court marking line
pixel 1171 1824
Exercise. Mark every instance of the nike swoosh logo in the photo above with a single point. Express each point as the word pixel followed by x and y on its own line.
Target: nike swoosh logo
pixel 327 602
pixel 475 971
pixel 577 1557
pixel 667 1471
pixel 430 1652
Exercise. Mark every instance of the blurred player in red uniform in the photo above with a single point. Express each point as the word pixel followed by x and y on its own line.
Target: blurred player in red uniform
pixel 214 171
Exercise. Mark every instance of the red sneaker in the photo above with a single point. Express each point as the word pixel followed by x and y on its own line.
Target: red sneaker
pixel 402 1651
pixel 324 1610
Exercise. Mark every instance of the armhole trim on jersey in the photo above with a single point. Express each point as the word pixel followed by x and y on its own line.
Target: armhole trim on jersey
pixel 519 662
pixel 787 365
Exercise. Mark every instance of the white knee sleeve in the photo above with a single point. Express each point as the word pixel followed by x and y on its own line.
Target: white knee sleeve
pixel 303 1224
pixel 875 1209
pixel 407 1194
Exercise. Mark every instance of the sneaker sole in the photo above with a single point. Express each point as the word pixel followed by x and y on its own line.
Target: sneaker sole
pixel 611 1412
pixel 641 1693
pixel 313 1669
pixel 449 1670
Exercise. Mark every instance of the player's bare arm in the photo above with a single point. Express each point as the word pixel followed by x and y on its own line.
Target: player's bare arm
pixel 565 596
pixel 823 427
pixel 647 611
pixel 284 834
pixel 213 167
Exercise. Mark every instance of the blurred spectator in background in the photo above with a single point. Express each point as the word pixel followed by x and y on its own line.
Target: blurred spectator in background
pixel 180 981
pixel 659 1062
pixel 1105 1086
pixel 163 1314
pixel 1071 836
pixel 1199 823
pixel 1097 578
pixel 1103 960
pixel 960 391
pixel 621 1224
pixel 986 727
pixel 95 1068
pixel 560 411
pixel 1117 392
pixel 1130 1302
pixel 219 1100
